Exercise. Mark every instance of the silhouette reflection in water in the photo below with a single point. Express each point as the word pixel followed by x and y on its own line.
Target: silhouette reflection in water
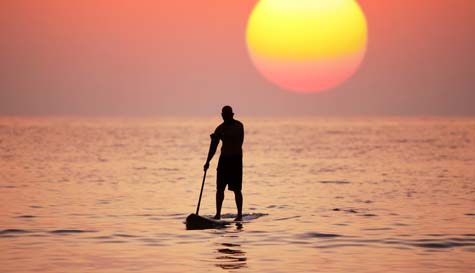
pixel 231 255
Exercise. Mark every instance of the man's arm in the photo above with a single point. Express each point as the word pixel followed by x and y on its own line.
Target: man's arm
pixel 242 134
pixel 213 146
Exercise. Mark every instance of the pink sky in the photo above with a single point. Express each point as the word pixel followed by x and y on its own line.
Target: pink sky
pixel 158 57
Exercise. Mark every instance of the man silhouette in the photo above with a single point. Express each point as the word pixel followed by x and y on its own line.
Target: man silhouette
pixel 229 171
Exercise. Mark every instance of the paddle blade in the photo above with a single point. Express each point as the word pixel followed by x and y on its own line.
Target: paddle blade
pixel 194 221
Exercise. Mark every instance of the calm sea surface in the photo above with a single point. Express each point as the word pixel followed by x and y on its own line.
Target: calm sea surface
pixel 320 195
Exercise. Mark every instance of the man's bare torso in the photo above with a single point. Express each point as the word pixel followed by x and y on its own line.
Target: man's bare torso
pixel 232 135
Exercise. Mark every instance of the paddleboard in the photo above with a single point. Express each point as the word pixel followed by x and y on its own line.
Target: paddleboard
pixel 194 221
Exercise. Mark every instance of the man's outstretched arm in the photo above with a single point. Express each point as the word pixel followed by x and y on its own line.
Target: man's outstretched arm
pixel 213 146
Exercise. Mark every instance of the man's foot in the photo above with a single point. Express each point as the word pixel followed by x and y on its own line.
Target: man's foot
pixel 217 217
pixel 238 218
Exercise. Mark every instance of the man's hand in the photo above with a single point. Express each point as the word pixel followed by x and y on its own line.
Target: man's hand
pixel 206 166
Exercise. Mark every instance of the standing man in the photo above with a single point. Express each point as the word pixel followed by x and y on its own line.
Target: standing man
pixel 229 171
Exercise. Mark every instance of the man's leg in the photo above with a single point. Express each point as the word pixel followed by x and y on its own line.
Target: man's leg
pixel 219 203
pixel 238 198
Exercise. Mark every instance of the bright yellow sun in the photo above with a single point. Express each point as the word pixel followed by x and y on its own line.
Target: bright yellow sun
pixel 307 45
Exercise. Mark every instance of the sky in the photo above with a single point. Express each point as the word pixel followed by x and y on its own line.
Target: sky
pixel 188 57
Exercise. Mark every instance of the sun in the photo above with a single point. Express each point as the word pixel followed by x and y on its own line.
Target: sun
pixel 307 45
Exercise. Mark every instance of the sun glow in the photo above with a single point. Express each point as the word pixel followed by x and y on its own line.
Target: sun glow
pixel 307 45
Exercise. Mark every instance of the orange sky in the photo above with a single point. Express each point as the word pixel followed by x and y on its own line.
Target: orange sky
pixel 180 57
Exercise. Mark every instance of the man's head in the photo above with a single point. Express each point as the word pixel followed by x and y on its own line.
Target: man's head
pixel 227 113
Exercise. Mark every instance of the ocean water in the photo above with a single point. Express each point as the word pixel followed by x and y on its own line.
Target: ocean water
pixel 320 195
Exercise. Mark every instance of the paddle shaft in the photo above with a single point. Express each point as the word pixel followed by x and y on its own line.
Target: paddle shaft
pixel 201 193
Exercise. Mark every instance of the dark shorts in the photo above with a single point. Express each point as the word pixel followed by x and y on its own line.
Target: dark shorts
pixel 229 173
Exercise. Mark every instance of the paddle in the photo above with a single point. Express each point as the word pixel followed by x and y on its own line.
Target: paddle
pixel 194 221
pixel 201 193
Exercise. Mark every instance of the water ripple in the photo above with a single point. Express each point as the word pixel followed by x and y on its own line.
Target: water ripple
pixel 70 231
pixel 14 231
pixel 328 240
